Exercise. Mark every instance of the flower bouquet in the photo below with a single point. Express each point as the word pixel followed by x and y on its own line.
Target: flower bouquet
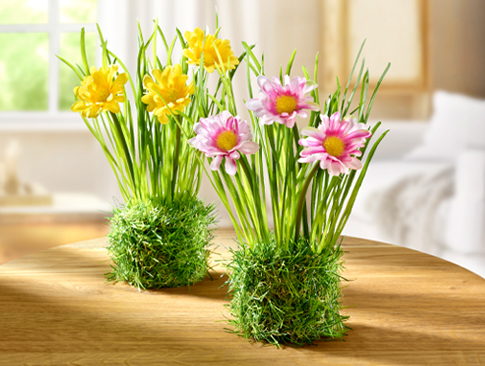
pixel 160 236
pixel 285 281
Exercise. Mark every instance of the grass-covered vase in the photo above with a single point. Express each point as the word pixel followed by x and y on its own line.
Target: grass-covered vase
pixel 155 246
pixel 159 237
pixel 286 296
pixel 285 280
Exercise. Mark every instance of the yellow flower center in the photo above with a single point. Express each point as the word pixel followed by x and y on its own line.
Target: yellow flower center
pixel 334 146
pixel 286 103
pixel 226 140
pixel 171 96
pixel 101 95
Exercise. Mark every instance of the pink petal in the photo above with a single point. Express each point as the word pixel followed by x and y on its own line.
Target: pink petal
pixel 334 121
pixel 312 150
pixel 344 126
pixel 234 155
pixel 288 81
pixel 244 128
pixel 277 84
pixel 357 126
pixel 199 128
pixel 358 134
pixel 290 122
pixel 254 104
pixel 310 142
pixel 309 86
pixel 313 132
pixel 266 86
pixel 354 163
pixel 192 141
pixel 213 151
pixel 334 168
pixel 216 162
pixel 232 124
pixel 231 166
pixel 323 126
pixel 324 164
pixel 355 152
pixel 244 137
pixel 311 106
pixel 295 83
pixel 224 116
pixel 262 80
pixel 302 113
pixel 307 159
pixel 267 120
pixel 249 147
pixel 262 96
pixel 335 117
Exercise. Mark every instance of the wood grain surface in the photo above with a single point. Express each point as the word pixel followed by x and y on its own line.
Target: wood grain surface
pixel 405 307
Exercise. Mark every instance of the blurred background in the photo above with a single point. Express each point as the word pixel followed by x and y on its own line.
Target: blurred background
pixel 426 189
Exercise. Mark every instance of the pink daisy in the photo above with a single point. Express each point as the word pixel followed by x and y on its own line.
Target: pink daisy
pixel 278 103
pixel 222 136
pixel 333 143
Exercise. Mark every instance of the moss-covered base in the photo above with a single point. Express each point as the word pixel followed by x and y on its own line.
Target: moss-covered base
pixel 160 246
pixel 286 296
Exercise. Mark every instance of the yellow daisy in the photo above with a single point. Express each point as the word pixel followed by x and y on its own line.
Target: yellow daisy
pixel 216 51
pixel 100 92
pixel 168 94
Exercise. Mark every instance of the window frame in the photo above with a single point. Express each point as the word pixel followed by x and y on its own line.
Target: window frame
pixel 52 118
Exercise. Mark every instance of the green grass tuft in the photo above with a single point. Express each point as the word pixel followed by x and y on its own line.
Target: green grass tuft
pixel 160 246
pixel 286 296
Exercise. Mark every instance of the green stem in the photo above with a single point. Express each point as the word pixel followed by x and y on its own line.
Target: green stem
pixel 258 204
pixel 176 156
pixel 298 148
pixel 245 167
pixel 301 200
pixel 125 148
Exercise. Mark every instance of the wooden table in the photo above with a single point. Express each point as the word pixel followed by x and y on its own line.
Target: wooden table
pixel 407 308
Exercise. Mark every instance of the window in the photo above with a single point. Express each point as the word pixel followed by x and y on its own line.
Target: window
pixel 32 32
pixel 395 31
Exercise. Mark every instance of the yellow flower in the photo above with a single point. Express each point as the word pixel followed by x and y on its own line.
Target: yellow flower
pixel 216 51
pixel 100 92
pixel 168 94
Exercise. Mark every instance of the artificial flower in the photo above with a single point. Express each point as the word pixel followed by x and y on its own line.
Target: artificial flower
pixel 223 136
pixel 99 92
pixel 168 93
pixel 278 103
pixel 216 51
pixel 335 143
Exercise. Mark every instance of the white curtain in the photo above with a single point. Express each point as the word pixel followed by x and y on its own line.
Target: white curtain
pixel 277 27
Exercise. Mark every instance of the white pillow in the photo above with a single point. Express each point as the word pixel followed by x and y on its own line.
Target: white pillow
pixel 458 122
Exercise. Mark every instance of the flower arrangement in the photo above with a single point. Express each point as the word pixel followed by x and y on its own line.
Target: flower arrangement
pixel 285 281
pixel 284 276
pixel 160 236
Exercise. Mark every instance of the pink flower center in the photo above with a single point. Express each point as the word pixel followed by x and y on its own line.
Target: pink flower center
pixel 334 146
pixel 226 140
pixel 286 104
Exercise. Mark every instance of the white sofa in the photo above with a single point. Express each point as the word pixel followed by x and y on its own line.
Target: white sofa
pixel 425 188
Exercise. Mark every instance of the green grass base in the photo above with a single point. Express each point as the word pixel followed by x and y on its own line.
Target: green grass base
pixel 286 296
pixel 160 246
